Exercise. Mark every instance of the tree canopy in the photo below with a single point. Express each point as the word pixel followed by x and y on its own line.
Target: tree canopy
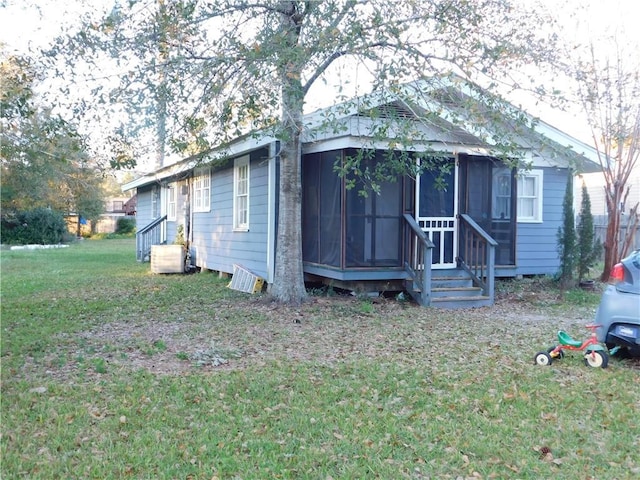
pixel 187 75
pixel 608 88
pixel 43 157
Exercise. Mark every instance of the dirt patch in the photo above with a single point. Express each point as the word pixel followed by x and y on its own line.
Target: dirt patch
pixel 325 330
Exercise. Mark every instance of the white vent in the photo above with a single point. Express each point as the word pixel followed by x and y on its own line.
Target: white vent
pixel 246 281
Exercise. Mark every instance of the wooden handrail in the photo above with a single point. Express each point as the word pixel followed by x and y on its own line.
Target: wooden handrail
pixel 476 254
pixel 155 233
pixel 418 255
pixel 472 223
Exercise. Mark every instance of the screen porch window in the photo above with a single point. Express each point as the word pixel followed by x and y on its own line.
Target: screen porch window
pixel 501 188
pixel 171 203
pixel 530 196
pixel 202 190
pixel 241 194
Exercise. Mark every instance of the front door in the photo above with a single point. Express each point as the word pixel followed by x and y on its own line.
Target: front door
pixel 437 207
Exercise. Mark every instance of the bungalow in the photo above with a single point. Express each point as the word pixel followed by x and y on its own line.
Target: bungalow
pixel 442 238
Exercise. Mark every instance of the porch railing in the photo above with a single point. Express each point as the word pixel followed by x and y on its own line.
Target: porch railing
pixel 418 262
pixel 153 234
pixel 477 254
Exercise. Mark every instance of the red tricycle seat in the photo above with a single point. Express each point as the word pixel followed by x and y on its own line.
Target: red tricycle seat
pixel 566 339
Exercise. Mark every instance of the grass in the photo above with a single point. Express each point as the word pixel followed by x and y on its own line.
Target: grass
pixel 358 389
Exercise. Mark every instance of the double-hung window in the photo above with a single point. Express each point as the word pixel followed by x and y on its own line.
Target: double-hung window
pixel 171 203
pixel 202 190
pixel 530 196
pixel 241 193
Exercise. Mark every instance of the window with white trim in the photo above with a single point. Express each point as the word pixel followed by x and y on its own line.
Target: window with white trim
pixel 171 203
pixel 202 190
pixel 530 196
pixel 241 193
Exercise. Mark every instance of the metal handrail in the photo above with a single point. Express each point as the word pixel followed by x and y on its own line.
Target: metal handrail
pixel 155 233
pixel 476 254
pixel 419 250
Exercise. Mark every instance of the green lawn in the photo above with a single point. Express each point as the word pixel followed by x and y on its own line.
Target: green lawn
pixel 109 371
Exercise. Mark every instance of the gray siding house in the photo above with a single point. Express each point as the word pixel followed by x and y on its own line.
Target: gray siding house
pixel 445 246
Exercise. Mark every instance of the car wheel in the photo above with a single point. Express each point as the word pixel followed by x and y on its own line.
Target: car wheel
pixel 543 358
pixel 596 359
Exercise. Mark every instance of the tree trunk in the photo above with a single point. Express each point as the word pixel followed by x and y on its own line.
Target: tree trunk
pixel 288 283
pixel 630 233
pixel 612 238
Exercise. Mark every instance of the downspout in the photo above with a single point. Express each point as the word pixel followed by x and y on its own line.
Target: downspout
pixel 272 217
pixel 188 232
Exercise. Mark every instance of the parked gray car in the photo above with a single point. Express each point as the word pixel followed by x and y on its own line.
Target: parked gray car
pixel 619 310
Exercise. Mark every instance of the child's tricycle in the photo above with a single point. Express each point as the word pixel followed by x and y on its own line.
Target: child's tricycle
pixel 595 354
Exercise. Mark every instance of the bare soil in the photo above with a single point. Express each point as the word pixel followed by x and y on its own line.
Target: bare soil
pixel 325 330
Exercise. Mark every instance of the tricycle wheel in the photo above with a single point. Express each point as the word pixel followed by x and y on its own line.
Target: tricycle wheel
pixel 559 354
pixel 543 358
pixel 596 358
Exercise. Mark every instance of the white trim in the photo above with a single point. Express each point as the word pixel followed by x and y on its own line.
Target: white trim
pixel 241 190
pixel 172 203
pixel 536 197
pixel 361 142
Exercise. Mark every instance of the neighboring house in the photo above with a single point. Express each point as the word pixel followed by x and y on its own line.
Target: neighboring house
pixel 115 207
pixel 488 221
pixel 595 184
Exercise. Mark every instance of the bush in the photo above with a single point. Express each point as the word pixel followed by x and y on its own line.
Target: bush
pixel 589 247
pixel 38 226
pixel 567 238
pixel 125 225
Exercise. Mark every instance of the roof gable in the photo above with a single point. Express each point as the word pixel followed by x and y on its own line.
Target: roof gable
pixel 456 112
pixel 445 111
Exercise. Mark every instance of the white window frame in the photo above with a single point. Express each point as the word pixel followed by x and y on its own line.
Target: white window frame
pixel 202 190
pixel 534 198
pixel 241 176
pixel 172 203
pixel 156 207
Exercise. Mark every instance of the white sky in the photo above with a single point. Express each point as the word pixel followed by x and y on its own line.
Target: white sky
pixel 23 25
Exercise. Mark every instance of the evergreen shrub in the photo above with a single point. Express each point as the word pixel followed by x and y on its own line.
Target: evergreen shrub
pixel 41 226
pixel 125 225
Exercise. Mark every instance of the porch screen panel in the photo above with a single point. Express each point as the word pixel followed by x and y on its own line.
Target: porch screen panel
pixel 488 197
pixel 311 208
pixel 436 201
pixel 478 201
pixel 330 211
pixel 448 247
pixel 374 225
pixel 321 232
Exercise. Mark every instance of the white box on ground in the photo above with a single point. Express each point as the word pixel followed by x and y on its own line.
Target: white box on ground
pixel 167 259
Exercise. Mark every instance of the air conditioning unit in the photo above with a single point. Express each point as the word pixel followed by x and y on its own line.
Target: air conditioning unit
pixel 244 280
pixel 167 258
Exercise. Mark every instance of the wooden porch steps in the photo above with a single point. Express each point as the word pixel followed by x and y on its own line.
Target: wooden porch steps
pixel 461 302
pixel 454 289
